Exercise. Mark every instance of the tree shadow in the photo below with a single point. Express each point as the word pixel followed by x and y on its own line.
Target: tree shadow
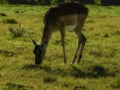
pixel 95 72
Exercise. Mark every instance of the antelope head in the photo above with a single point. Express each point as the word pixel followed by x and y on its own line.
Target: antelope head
pixel 39 52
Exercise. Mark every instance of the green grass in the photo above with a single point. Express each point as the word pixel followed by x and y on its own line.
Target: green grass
pixel 99 68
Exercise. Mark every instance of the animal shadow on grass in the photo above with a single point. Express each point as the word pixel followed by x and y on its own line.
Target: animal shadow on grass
pixel 33 66
pixel 95 72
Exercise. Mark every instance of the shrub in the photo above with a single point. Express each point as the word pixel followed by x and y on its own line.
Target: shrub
pixel 17 32
pixel 32 2
pixel 3 1
pixel 45 2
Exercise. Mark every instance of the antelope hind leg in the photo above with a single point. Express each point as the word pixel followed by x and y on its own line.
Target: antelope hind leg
pixel 83 40
pixel 78 47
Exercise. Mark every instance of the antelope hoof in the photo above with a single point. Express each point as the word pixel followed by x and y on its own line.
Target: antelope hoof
pixel 79 59
pixel 65 62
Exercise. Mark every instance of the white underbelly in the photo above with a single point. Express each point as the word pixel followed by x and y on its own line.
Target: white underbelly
pixel 70 21
pixel 70 27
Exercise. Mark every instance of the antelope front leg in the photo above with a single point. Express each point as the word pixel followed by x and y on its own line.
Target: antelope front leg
pixel 83 40
pixel 63 44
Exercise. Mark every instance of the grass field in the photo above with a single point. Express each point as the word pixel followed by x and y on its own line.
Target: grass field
pixel 99 68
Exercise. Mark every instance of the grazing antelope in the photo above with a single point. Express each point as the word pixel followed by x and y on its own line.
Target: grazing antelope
pixel 59 17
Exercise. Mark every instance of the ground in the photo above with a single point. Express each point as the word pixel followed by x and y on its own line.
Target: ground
pixel 99 68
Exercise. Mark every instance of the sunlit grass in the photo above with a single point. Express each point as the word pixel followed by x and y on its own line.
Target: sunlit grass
pixel 98 69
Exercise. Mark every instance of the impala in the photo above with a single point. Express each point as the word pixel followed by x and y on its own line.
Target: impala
pixel 60 17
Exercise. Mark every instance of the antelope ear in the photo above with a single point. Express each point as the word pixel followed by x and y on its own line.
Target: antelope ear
pixel 34 42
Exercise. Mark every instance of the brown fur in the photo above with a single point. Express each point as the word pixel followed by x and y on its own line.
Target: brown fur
pixel 68 8
pixel 59 17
